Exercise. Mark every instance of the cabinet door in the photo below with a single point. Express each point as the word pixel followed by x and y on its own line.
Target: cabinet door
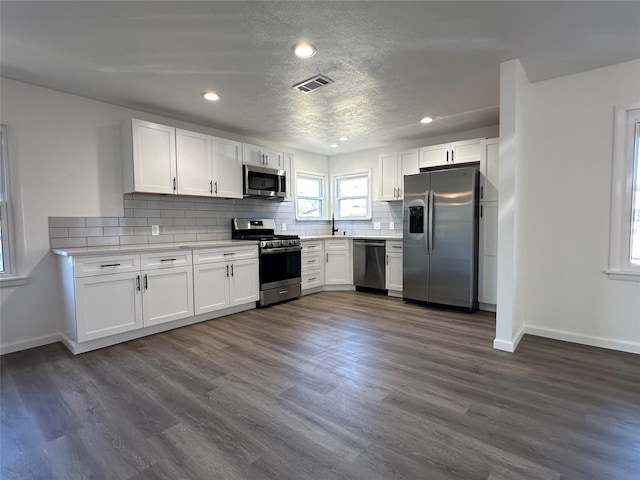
pixel 210 287
pixel 488 261
pixel 273 159
pixel 244 282
pixel 167 295
pixel 227 168
pixel 338 268
pixel 107 305
pixel 394 271
pixel 434 155
pixel 388 168
pixel 195 169
pixel 489 171
pixel 252 154
pixel 408 164
pixel 466 151
pixel 154 157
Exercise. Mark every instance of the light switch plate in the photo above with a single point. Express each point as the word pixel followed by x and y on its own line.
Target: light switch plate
pixel 155 229
pixel 392 226
pixel 376 225
pixel 284 227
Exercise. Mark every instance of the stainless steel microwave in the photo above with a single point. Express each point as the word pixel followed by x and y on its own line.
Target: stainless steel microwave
pixel 264 182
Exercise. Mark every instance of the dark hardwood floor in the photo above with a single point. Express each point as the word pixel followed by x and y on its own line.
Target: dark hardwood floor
pixel 338 385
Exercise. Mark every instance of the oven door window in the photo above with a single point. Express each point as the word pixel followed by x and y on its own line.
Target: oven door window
pixel 279 268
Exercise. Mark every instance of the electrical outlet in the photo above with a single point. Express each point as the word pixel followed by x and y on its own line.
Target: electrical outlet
pixel 392 226
pixel 155 229
pixel 284 227
pixel 376 225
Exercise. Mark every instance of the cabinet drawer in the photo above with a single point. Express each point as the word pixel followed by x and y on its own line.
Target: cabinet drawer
pixel 173 258
pixel 224 254
pixel 312 260
pixel 336 244
pixel 311 279
pixel 394 246
pixel 89 266
pixel 312 246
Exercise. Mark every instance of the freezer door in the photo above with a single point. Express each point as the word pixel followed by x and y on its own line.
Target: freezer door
pixel 453 278
pixel 415 258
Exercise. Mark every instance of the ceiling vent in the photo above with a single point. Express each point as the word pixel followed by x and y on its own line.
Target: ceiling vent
pixel 313 83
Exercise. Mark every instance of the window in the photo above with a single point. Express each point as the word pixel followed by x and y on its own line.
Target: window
pixel 352 196
pixel 624 260
pixel 5 207
pixel 310 195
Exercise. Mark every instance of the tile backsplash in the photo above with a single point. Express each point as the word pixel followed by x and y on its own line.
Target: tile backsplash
pixel 192 219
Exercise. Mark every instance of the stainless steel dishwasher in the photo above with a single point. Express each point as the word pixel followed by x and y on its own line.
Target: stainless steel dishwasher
pixel 368 264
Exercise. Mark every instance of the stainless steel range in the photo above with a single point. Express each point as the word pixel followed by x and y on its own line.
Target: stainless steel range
pixel 280 265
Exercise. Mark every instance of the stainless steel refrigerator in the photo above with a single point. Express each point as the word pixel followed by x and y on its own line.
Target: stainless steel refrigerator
pixel 440 236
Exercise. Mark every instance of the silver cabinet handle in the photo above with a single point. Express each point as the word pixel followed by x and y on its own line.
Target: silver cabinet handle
pixel 227 254
pixel 211 186
pixel 282 292
pixel 110 265
pixel 387 259
pixel 174 184
pixel 168 260
pixel 146 282
pixel 312 279
pixel 480 211
pixel 227 270
pixel 232 269
pixel 138 283
pixel 396 246
pixel 447 156
pixel 481 191
pixel 216 192
pixel 452 156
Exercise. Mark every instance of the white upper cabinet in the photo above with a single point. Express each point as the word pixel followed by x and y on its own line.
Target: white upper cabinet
pixel 451 153
pixel 393 167
pixel 195 168
pixel 264 157
pixel 149 155
pixel 227 168
pixel 489 171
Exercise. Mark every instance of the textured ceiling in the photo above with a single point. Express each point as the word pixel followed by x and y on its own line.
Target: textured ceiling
pixel 392 62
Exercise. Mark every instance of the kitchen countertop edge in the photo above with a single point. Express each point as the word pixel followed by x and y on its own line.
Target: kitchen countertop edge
pixel 353 237
pixel 146 248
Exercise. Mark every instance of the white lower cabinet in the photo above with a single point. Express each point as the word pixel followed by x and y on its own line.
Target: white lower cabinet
pixel 107 305
pixel 393 268
pixel 167 295
pixel 488 257
pixel 312 264
pixel 225 278
pixel 338 269
pixel 109 295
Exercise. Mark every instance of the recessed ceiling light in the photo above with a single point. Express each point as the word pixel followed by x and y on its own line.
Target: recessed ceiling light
pixel 304 50
pixel 343 139
pixel 212 96
pixel 426 120
pixel 334 145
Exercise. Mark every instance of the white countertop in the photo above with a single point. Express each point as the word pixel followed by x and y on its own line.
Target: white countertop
pixel 145 248
pixel 353 237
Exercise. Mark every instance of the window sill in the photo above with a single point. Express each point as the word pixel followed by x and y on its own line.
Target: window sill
pixel 13 281
pixel 622 275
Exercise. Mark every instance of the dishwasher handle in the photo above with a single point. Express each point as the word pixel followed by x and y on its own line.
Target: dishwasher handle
pixel 370 243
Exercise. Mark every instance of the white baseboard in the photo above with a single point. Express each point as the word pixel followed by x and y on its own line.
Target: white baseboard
pixel 566 336
pixel 509 345
pixel 29 343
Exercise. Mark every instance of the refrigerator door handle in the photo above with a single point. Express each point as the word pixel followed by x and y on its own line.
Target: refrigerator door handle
pixel 425 220
pixel 431 208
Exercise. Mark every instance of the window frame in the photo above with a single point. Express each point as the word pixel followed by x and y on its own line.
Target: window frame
pixel 323 192
pixel 6 211
pixel 336 200
pixel 625 148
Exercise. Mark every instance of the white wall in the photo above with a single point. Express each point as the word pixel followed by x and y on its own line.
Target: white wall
pixel 568 137
pixel 65 157
pixel 510 314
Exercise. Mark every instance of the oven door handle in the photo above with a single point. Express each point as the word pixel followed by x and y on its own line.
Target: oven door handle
pixel 271 251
